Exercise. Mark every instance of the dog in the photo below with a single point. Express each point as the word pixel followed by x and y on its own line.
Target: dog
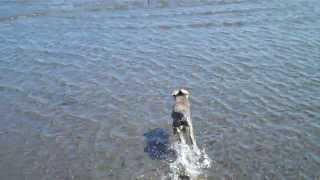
pixel 181 115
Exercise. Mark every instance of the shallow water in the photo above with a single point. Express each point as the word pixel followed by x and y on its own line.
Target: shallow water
pixel 82 81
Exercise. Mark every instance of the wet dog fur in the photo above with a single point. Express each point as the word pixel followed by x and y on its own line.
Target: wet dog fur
pixel 181 115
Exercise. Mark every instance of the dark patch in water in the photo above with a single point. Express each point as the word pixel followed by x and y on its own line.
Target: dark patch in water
pixel 157 145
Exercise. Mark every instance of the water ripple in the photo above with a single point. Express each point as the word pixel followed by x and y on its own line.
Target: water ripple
pixel 81 81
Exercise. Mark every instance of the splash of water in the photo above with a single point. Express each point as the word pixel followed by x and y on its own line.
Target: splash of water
pixel 190 162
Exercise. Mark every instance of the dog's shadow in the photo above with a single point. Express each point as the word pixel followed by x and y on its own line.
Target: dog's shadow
pixel 158 145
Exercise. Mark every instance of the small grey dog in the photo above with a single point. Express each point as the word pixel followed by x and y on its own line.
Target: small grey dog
pixel 181 115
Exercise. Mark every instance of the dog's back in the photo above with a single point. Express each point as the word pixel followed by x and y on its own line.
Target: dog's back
pixel 181 111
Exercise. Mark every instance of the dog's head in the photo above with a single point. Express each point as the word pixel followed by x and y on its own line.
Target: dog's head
pixel 180 92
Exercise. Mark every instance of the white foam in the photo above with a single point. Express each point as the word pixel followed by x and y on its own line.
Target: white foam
pixel 191 161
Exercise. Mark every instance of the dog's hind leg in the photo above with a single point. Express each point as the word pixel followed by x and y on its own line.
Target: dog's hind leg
pixel 192 137
pixel 180 135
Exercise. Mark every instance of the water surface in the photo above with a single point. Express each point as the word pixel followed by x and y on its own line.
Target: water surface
pixel 82 81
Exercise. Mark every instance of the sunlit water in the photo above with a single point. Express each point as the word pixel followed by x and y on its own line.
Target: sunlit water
pixel 81 81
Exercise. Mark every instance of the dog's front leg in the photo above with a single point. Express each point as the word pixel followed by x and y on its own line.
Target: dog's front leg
pixel 180 135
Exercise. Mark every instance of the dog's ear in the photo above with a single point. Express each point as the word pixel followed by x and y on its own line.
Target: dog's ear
pixel 184 92
pixel 179 92
pixel 175 92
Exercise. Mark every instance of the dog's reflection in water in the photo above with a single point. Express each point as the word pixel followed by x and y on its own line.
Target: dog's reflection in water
pixel 158 145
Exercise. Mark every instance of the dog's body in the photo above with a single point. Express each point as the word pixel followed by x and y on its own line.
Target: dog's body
pixel 181 115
